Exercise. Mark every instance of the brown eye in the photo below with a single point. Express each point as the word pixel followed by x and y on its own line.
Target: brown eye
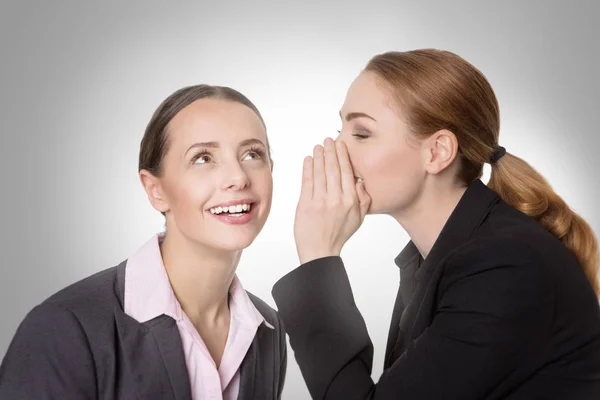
pixel 255 153
pixel 202 158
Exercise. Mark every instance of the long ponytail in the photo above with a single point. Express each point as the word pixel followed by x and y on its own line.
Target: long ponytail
pixel 521 186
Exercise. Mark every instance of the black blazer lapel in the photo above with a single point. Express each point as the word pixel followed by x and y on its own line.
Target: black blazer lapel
pixel 468 215
pixel 408 261
pixel 153 353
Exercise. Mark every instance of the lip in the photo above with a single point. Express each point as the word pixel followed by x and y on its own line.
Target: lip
pixel 233 203
pixel 241 220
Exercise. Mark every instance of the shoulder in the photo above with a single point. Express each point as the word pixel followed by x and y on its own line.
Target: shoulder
pixel 95 291
pixel 505 224
pixel 86 304
pixel 509 238
pixel 78 313
pixel 495 250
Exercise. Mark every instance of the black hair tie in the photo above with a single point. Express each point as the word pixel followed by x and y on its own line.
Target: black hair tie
pixel 500 151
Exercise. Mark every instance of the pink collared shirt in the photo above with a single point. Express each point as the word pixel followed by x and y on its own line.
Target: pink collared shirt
pixel 148 294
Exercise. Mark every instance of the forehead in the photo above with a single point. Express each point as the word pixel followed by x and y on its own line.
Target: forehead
pixel 215 120
pixel 367 90
pixel 369 94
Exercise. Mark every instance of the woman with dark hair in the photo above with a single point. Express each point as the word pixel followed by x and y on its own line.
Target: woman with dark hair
pixel 498 292
pixel 173 320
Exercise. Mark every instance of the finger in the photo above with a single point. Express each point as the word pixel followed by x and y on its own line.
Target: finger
pixel 306 192
pixel 319 179
pixel 332 167
pixel 346 170
pixel 364 199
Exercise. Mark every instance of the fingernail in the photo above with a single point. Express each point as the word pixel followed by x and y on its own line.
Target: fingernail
pixel 360 180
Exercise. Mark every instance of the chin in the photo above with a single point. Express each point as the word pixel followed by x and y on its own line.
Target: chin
pixel 234 243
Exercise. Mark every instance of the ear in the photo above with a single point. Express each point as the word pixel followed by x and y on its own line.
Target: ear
pixel 154 191
pixel 441 149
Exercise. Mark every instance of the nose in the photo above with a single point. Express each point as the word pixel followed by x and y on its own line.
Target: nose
pixel 234 177
pixel 340 138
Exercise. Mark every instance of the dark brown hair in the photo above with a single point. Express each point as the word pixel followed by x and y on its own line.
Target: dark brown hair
pixel 439 90
pixel 155 142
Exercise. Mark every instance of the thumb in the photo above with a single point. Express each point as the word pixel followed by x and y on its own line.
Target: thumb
pixel 364 199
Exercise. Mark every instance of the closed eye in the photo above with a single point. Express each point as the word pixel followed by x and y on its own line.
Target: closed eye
pixel 361 135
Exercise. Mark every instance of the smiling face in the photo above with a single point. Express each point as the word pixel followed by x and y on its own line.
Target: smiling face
pixel 215 185
pixel 382 150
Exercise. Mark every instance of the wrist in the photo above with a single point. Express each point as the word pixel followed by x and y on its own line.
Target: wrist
pixel 308 257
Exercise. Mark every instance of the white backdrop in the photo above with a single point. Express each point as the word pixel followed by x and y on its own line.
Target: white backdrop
pixel 79 83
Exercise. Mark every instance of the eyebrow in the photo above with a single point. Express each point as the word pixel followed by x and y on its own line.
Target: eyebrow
pixel 353 115
pixel 216 145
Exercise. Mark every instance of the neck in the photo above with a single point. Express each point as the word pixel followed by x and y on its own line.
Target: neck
pixel 426 217
pixel 200 277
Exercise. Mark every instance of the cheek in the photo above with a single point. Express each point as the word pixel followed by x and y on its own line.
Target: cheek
pixel 390 175
pixel 190 193
pixel 262 183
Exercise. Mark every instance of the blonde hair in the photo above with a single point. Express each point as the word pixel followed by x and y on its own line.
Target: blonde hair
pixel 436 90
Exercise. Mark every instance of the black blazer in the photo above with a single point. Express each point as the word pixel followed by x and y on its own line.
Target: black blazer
pixel 499 309
pixel 79 344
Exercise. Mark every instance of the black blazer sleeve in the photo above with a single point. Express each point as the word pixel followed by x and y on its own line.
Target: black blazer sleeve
pixel 490 312
pixel 48 358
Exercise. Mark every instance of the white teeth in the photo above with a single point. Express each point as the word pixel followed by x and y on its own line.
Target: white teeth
pixel 233 210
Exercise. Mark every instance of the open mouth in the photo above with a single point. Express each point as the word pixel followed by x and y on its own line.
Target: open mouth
pixel 233 211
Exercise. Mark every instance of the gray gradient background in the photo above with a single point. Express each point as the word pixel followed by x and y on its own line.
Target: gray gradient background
pixel 80 81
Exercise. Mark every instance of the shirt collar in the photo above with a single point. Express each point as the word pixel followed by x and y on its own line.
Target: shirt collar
pixel 148 293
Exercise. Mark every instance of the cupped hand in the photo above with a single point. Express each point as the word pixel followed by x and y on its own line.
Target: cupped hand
pixel 332 203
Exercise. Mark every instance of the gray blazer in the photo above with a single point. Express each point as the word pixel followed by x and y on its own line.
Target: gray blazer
pixel 79 344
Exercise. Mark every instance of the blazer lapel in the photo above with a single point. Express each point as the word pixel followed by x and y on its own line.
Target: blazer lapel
pixel 153 353
pixel 248 370
pixel 468 215
pixel 408 261
pixel 258 367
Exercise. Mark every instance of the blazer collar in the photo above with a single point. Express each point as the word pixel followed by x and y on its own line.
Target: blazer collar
pixel 467 216
pixel 143 344
pixel 417 274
